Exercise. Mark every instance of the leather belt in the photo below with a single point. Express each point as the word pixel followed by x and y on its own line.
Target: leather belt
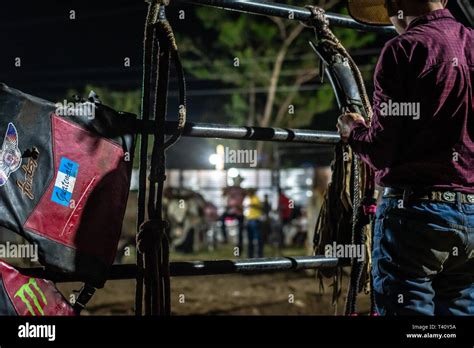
pixel 433 196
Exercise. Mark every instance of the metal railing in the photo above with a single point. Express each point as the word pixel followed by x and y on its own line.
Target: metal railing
pixel 286 135
pixel 272 9
pixel 203 268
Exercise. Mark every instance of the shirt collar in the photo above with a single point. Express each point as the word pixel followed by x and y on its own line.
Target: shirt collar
pixel 431 16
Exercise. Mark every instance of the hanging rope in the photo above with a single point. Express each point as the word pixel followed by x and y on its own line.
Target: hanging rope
pixel 148 54
pixel 361 175
pixel 152 236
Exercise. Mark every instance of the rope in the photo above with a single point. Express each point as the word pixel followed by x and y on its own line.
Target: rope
pixel 167 32
pixel 148 55
pixel 158 296
pixel 360 188
pixel 153 242
pixel 320 23
pixel 152 236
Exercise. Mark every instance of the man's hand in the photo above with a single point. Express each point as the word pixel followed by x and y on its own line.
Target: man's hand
pixel 345 123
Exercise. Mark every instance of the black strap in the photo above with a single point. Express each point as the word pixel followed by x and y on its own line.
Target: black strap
pixel 85 294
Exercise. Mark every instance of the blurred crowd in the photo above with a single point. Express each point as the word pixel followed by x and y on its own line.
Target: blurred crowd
pixel 249 221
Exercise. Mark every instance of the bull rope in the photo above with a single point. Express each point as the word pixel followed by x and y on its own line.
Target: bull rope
pixel 153 235
pixel 362 189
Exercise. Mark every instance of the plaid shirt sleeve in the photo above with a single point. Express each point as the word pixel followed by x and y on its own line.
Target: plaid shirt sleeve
pixel 378 144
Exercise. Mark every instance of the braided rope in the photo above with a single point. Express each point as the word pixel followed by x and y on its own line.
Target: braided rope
pixel 331 43
pixel 152 236
pixel 148 58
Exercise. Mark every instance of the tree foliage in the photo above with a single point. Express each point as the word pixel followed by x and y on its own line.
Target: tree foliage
pixel 268 63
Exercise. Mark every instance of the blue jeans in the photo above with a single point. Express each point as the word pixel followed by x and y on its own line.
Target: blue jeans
pixel 254 230
pixel 423 258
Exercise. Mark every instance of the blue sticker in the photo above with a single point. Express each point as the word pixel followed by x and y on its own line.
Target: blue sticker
pixel 65 182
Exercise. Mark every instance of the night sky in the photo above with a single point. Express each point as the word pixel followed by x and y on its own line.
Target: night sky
pixel 58 53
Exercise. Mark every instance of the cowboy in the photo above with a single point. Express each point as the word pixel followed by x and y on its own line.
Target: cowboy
pixel 420 144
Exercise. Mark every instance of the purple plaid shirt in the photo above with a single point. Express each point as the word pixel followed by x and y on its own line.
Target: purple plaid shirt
pixel 423 126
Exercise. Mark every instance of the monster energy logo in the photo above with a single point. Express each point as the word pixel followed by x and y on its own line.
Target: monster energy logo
pixel 28 289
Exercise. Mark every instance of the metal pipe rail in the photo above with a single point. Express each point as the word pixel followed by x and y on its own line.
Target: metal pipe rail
pixel 202 268
pixel 269 8
pixel 209 130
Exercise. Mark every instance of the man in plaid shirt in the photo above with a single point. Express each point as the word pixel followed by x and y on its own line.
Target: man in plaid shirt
pixel 421 145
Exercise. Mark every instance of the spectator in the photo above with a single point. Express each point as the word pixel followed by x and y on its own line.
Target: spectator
pixel 254 214
pixel 285 210
pixel 234 209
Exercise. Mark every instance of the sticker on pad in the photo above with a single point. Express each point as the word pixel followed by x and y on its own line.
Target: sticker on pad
pixel 65 181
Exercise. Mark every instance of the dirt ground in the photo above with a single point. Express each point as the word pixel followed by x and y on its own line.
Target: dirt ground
pixel 267 294
pixel 293 293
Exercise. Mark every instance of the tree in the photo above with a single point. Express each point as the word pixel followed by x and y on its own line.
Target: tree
pixel 267 62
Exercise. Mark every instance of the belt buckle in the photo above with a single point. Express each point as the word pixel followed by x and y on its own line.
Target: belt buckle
pixel 470 199
pixel 449 196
